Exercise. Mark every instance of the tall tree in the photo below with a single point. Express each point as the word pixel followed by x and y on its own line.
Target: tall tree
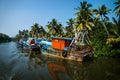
pixel 102 12
pixel 22 34
pixel 116 26
pixel 25 34
pixel 84 19
pixel 69 28
pixel 41 32
pixel 55 28
pixel 34 30
pixel 117 9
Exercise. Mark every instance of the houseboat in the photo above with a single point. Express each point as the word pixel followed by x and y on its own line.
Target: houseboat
pixel 65 48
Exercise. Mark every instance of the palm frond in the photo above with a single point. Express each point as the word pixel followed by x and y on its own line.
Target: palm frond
pixel 88 27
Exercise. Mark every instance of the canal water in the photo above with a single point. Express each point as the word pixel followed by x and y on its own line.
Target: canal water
pixel 16 64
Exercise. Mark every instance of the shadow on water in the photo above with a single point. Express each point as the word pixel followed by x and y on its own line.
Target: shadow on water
pixel 23 64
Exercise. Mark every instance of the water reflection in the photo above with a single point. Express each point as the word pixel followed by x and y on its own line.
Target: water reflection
pixel 22 64
pixel 58 72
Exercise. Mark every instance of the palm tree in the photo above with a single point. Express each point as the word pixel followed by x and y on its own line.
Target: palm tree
pixel 34 31
pixel 102 12
pixel 115 39
pixel 117 9
pixel 20 34
pixel 69 29
pixel 117 28
pixel 25 34
pixel 41 32
pixel 31 33
pixel 116 33
pixel 55 28
pixel 84 20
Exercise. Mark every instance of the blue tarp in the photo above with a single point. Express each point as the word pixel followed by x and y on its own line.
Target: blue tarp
pixel 46 42
pixel 61 38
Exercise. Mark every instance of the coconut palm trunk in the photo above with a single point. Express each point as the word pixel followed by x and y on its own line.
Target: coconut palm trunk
pixel 103 23
pixel 102 11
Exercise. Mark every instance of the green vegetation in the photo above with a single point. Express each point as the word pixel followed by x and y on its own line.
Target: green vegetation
pixel 4 38
pixel 104 35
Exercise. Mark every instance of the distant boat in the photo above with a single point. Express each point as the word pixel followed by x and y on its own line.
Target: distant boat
pixel 30 44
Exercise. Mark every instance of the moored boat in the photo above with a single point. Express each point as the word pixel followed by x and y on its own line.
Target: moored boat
pixel 66 48
pixel 30 44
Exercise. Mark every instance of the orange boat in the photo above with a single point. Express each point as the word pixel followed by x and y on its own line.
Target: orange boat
pixel 64 50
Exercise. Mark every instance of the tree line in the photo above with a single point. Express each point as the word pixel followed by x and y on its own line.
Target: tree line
pixel 104 34
pixel 4 38
pixel 53 28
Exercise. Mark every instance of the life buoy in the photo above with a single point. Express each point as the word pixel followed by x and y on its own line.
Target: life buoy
pixel 64 54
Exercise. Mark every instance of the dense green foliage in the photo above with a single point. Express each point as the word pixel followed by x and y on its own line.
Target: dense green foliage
pixel 55 28
pixel 22 34
pixel 69 28
pixel 104 35
pixel 4 38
